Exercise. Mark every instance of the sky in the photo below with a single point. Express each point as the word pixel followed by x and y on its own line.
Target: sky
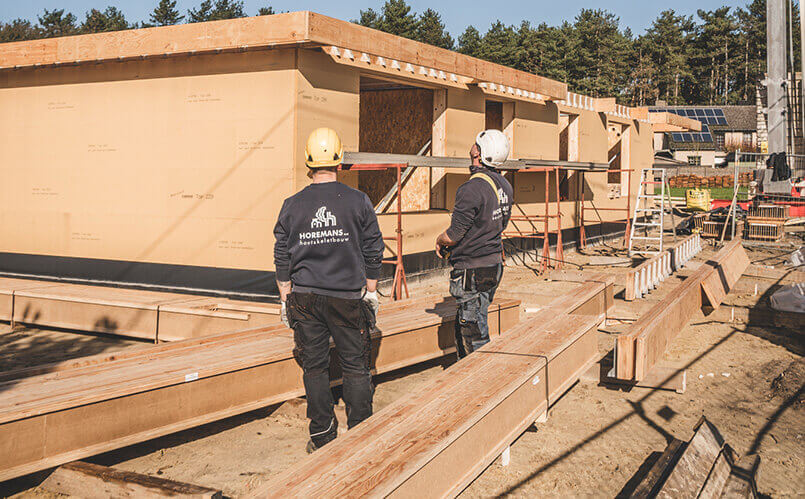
pixel 457 14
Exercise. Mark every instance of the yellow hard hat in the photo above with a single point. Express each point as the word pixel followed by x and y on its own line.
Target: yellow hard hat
pixel 323 149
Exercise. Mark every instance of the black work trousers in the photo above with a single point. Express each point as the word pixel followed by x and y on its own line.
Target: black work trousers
pixel 315 319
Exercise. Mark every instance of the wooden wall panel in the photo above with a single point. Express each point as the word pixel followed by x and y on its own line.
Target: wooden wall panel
pixel 536 131
pixel 466 117
pixel 178 161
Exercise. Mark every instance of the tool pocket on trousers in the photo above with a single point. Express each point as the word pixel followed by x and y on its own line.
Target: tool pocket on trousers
pixel 468 310
pixel 486 278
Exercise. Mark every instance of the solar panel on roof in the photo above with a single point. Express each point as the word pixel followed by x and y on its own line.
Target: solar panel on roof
pixel 699 112
pixel 709 112
pixel 705 128
pixel 686 137
pixel 697 137
pixel 721 121
pixel 677 137
pixel 707 137
pixel 719 113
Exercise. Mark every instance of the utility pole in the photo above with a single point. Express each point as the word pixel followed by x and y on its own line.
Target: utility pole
pixel 776 77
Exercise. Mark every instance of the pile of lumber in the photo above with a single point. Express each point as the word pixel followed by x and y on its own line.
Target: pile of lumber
pixel 436 440
pixel 639 349
pixel 705 466
pixel 53 414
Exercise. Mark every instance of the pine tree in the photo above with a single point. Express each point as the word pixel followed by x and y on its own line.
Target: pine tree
pixel 714 58
pixel 56 23
pixel 598 61
pixel 165 14
pixel 98 21
pixel 397 19
pixel 666 43
pixel 500 45
pixel 18 30
pixel 222 9
pixel 470 42
pixel 266 11
pixel 369 18
pixel 431 30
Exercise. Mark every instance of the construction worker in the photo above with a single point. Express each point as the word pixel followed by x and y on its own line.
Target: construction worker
pixel 473 241
pixel 327 254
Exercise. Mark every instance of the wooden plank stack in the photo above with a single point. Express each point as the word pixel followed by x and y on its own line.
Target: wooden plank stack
pixel 436 440
pixel 703 467
pixel 638 350
pixel 50 415
pixel 766 222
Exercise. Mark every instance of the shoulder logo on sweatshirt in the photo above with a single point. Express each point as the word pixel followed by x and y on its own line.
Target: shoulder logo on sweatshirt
pixel 502 197
pixel 322 219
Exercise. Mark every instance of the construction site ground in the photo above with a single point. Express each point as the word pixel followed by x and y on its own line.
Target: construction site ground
pixel 745 375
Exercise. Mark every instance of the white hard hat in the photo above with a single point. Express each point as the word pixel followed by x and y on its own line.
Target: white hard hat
pixel 494 147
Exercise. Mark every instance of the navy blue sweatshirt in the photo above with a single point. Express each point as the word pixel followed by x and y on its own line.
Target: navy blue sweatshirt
pixel 479 218
pixel 327 241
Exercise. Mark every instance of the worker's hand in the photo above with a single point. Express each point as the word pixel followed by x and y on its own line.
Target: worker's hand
pixel 284 315
pixel 370 297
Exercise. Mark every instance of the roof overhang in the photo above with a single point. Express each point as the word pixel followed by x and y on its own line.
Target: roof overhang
pixel 294 29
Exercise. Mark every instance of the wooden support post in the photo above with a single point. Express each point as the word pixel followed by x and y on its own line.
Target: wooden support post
pixel 91 481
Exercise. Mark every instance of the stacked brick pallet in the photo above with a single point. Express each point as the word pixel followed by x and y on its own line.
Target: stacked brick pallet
pixel 695 181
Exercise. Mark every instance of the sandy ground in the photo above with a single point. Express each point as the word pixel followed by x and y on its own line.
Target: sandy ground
pixel 745 377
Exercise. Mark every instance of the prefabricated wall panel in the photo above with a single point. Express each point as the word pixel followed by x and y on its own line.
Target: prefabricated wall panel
pixel 179 161
pixel 535 131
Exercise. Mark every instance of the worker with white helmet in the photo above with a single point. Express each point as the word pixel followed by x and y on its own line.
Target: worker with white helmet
pixel 473 241
pixel 327 254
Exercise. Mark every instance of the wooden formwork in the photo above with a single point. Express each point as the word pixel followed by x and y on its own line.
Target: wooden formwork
pixel 646 276
pixel 638 350
pixel 432 442
pixel 50 415
pixel 764 229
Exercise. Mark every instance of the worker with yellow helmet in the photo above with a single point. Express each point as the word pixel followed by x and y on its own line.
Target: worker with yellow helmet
pixel 327 254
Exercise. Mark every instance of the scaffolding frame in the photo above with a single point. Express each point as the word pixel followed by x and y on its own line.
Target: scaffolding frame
pixel 400 283
pixel 627 209
pixel 544 219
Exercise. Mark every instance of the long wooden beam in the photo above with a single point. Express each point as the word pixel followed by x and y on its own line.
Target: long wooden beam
pixel 436 440
pixel 261 32
pixel 57 414
pixel 638 350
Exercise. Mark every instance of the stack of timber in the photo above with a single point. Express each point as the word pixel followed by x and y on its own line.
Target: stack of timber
pixel 50 415
pixel 436 440
pixel 133 313
pixel 638 350
pixel 646 276
pixel 703 467
pixel 766 222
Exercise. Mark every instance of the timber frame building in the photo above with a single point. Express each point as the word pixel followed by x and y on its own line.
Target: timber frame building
pixel 161 156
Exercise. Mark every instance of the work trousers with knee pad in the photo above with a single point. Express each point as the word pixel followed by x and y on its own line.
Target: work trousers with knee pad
pixel 473 289
pixel 315 319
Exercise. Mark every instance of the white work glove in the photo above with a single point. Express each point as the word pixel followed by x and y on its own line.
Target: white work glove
pixel 284 315
pixel 370 297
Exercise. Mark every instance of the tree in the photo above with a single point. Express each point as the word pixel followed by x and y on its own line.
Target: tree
pixel 56 23
pixel 98 21
pixel 667 44
pixel 18 30
pixel 714 57
pixel 598 62
pixel 470 42
pixel 369 18
pixel 266 11
pixel 222 9
pixel 398 19
pixel 431 30
pixel 500 45
pixel 166 14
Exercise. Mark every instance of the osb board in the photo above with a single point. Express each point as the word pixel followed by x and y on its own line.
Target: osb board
pixel 536 131
pixel 398 121
pixel 419 230
pixel 327 95
pixel 178 161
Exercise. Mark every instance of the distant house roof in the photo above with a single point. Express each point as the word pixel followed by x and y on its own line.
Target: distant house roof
pixel 717 118
pixel 663 159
